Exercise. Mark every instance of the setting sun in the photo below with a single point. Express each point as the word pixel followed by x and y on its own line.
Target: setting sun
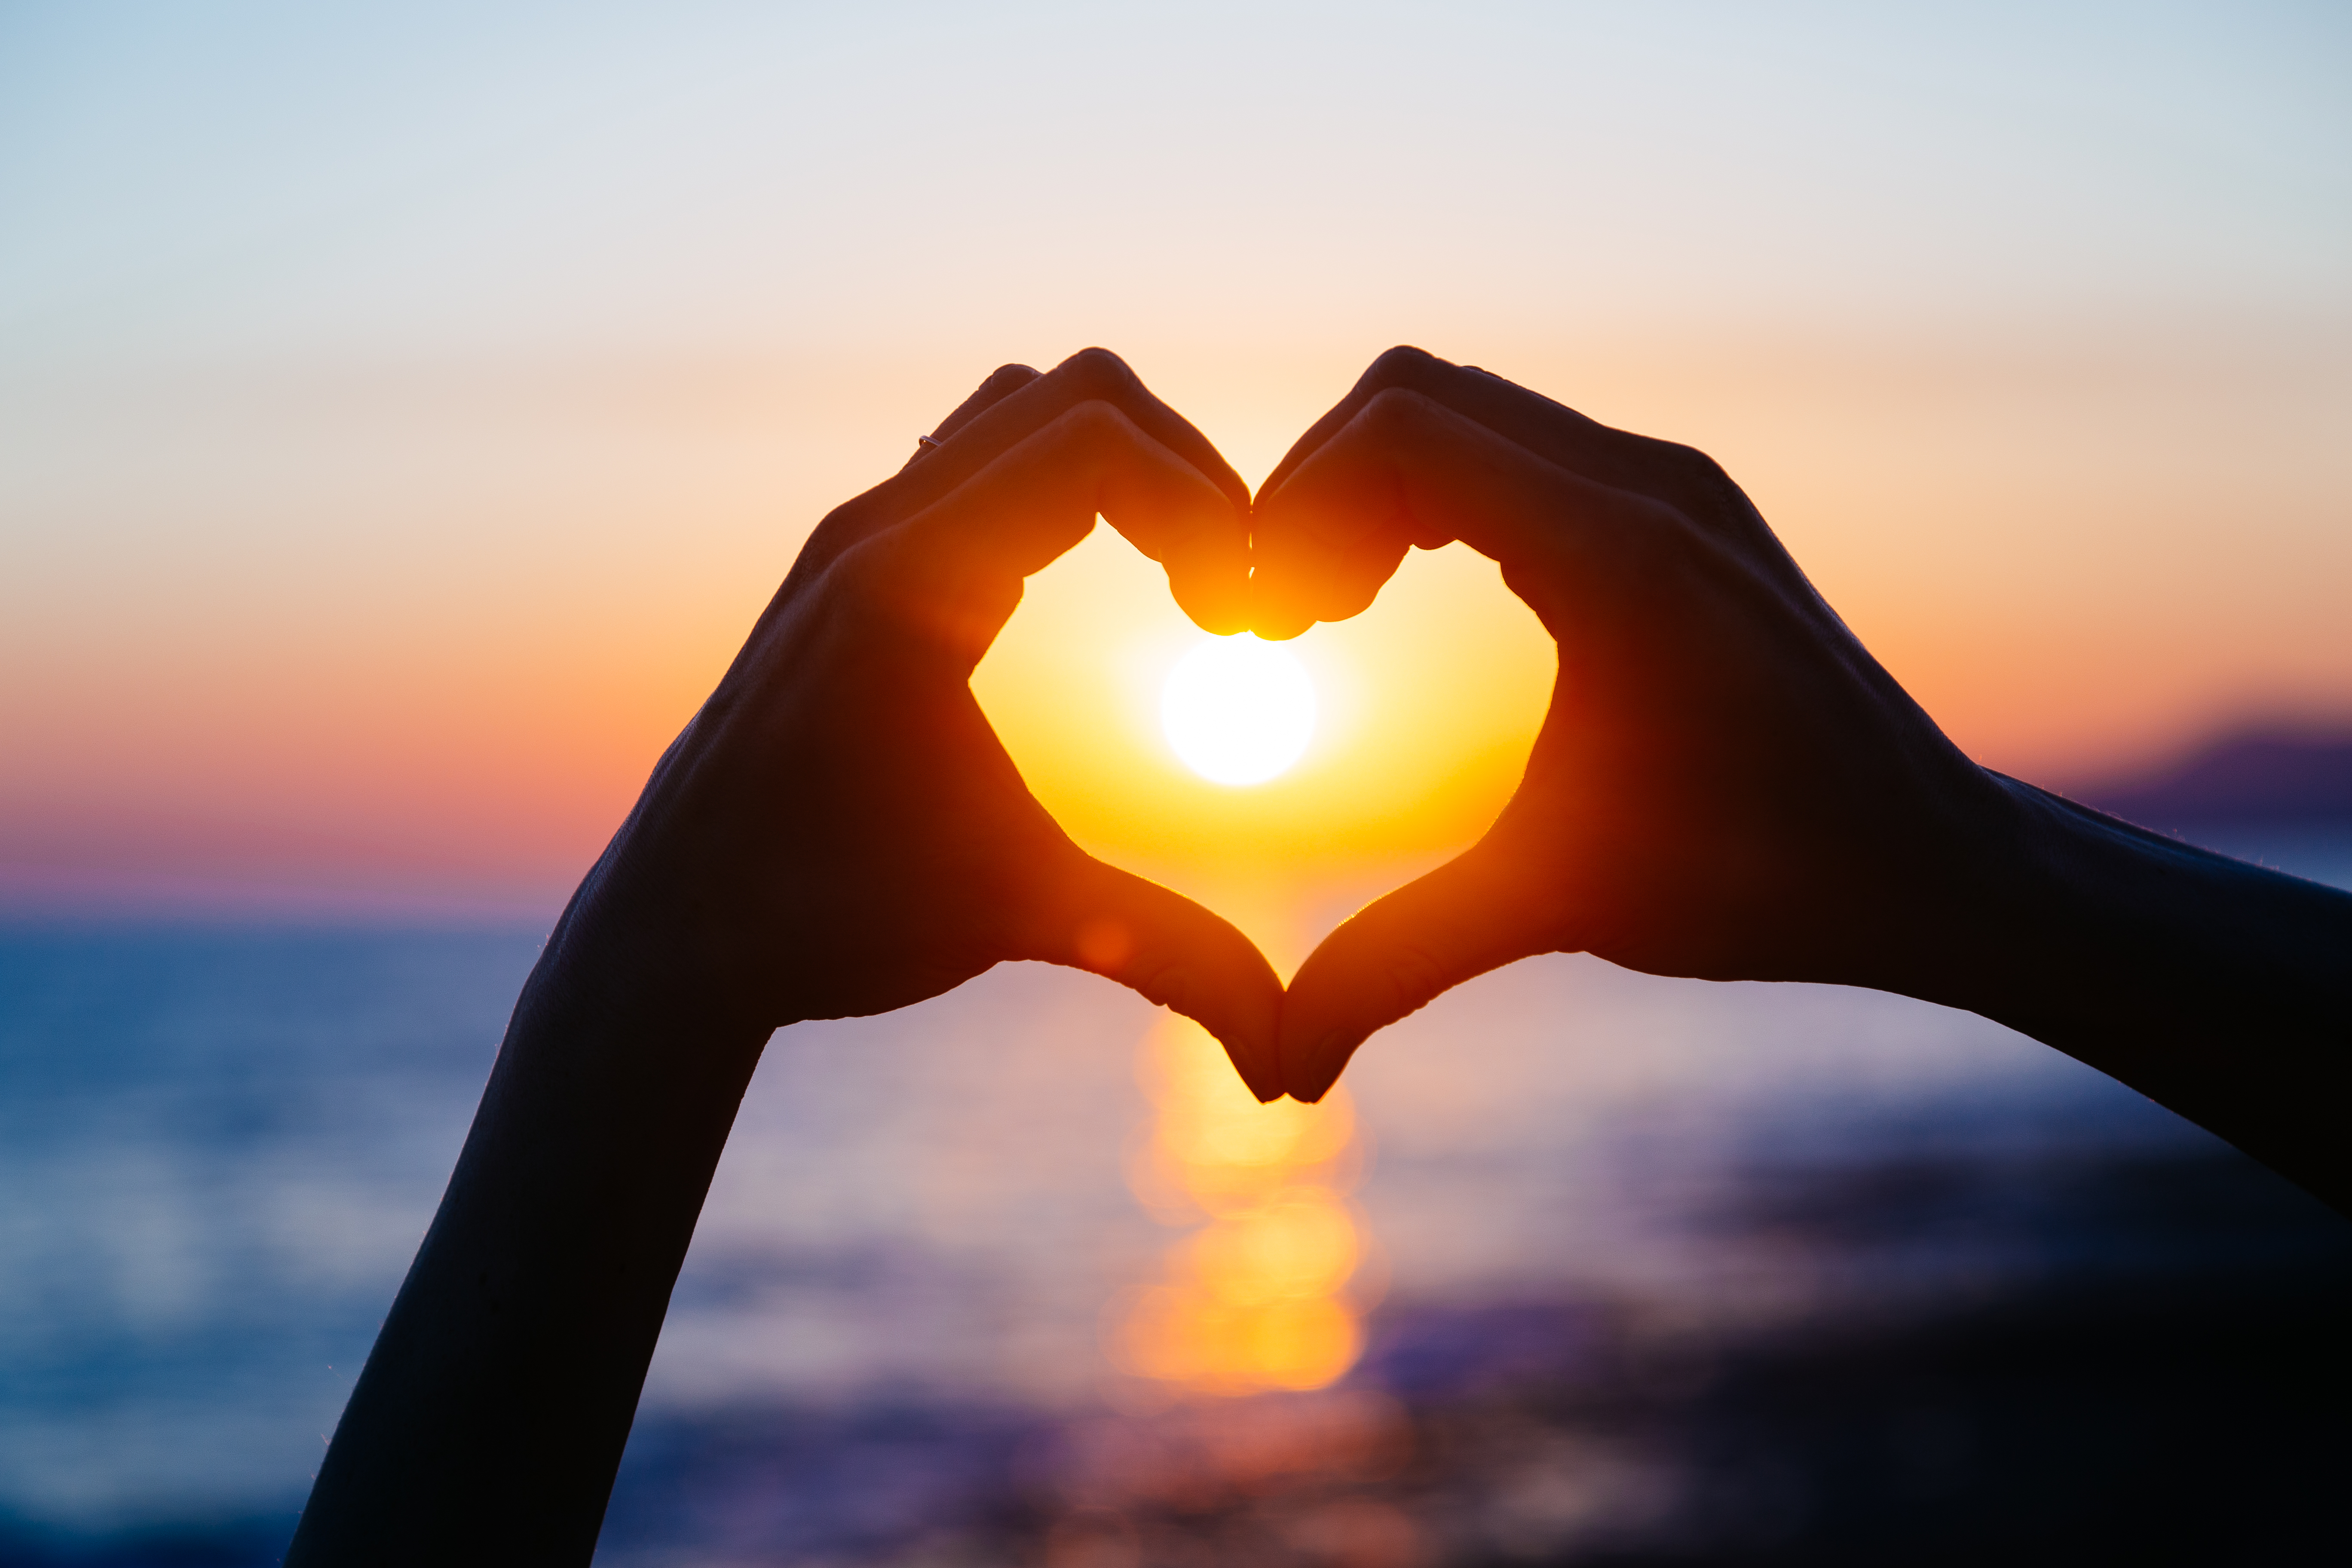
pixel 1238 710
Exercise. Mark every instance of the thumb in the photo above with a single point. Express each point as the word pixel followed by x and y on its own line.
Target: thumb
pixel 1095 917
pixel 1395 955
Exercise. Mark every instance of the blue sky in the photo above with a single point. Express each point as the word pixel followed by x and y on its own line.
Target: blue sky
pixel 257 179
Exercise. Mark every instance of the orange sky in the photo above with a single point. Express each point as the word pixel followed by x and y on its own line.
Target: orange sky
pixel 398 430
pixel 425 632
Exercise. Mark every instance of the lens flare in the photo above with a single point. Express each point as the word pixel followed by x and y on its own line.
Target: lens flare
pixel 1238 710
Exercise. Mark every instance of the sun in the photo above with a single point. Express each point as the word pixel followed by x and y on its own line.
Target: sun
pixel 1238 710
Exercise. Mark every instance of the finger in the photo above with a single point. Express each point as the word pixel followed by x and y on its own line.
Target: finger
pixel 961 561
pixel 1323 545
pixel 1090 375
pixel 1098 375
pixel 1098 918
pixel 1472 914
pixel 1208 565
pixel 1001 383
pixel 1550 430
pixel 1408 470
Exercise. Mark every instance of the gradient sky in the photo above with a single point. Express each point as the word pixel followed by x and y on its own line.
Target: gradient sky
pixel 404 410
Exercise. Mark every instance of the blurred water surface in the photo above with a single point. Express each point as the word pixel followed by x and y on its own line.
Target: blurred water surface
pixel 1647 1271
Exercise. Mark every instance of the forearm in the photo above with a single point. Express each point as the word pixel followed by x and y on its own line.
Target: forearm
pixel 2218 989
pixel 491 1415
pixel 837 833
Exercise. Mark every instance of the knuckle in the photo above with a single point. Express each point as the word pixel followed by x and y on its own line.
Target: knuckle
pixel 1647 516
pixel 1099 372
pixel 1093 421
pixel 1416 978
pixel 837 530
pixel 1403 365
pixel 1657 555
pixel 1686 462
pixel 1687 478
pixel 897 592
pixel 862 577
pixel 1393 413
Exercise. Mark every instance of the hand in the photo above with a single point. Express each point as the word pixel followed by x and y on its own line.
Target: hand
pixel 1727 784
pixel 838 831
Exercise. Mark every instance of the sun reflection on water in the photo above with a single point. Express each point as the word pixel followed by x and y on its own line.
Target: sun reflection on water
pixel 1258 1295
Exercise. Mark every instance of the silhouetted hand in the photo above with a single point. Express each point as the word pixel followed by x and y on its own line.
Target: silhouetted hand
pixel 1729 786
pixel 839 832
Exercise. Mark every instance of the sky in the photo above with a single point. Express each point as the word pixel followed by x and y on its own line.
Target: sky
pixel 404 411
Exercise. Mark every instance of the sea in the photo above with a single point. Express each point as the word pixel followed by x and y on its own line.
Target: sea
pixel 1600 1269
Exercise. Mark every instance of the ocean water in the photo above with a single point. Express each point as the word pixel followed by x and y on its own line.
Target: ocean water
pixel 1639 1271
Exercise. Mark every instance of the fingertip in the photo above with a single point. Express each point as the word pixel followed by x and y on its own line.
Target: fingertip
pixel 1172 952
pixel 1279 627
pixel 1317 1031
pixel 1272 616
pixel 1175 513
pixel 1336 1002
pixel 1236 1011
pixel 1251 1026
pixel 1264 1084
pixel 1225 985
pixel 1217 611
pixel 1321 1065
pixel 1208 567
pixel 1209 579
pixel 1250 1046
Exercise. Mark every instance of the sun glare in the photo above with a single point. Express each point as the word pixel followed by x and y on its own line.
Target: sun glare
pixel 1264 1291
pixel 1238 710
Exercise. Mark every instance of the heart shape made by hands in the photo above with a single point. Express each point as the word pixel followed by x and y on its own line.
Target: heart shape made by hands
pixel 1425 707
pixel 1725 784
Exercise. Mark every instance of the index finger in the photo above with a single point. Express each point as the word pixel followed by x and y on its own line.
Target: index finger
pixel 1550 430
pixel 1408 470
pixel 958 564
pixel 1001 383
pixel 1207 573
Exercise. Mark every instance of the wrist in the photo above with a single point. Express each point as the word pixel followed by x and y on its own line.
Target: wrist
pixel 2149 958
pixel 1950 887
pixel 633 954
pixel 2072 919
pixel 2024 955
